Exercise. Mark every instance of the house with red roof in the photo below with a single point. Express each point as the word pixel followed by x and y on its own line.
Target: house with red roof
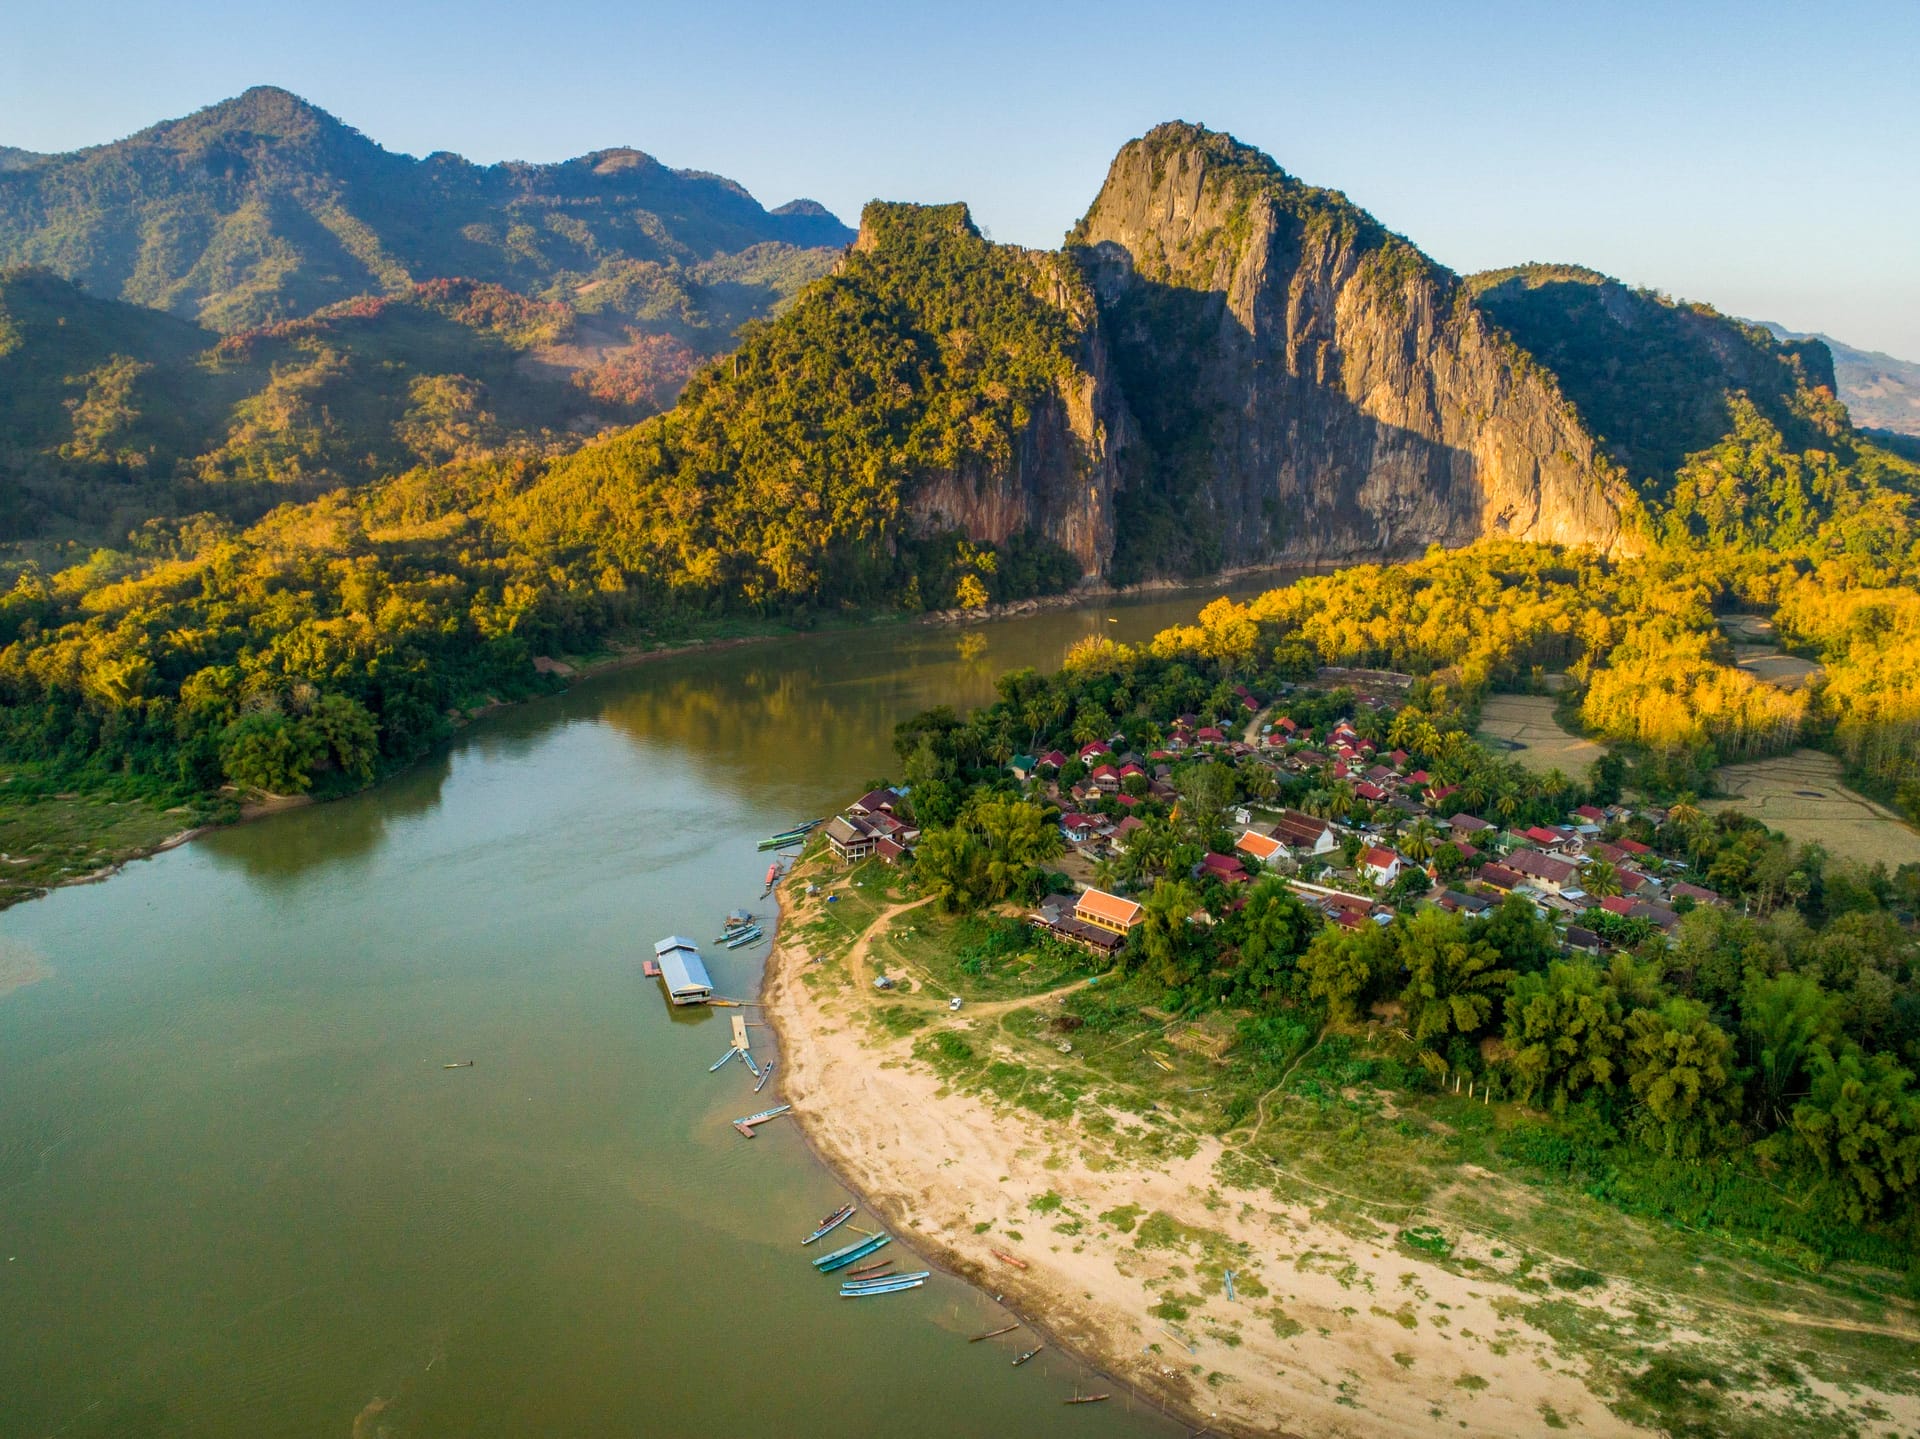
pixel 1092 749
pixel 1379 864
pixel 1224 867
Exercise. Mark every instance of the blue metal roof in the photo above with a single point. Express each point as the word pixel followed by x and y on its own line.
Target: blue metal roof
pixel 681 966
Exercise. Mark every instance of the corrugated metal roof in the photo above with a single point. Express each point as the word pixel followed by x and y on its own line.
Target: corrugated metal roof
pixel 681 967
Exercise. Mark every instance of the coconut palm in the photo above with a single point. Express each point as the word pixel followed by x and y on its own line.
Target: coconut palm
pixel 1420 840
pixel 1600 879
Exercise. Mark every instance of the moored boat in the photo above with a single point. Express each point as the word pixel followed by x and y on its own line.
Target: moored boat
pixel 832 1222
pixel 859 1249
pixel 884 1289
pixel 752 935
pixel 854 1285
pixel 1020 1359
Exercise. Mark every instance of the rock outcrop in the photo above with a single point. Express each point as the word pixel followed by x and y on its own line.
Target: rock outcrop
pixel 1309 386
pixel 1061 481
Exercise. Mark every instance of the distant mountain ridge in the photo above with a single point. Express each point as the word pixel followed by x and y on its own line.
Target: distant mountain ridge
pixel 1881 391
pixel 265 208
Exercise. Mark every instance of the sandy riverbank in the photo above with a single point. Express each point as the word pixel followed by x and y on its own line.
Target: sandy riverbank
pixel 1328 1335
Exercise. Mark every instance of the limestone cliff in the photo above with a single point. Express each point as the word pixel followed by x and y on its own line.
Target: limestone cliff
pixel 1057 475
pixel 1309 386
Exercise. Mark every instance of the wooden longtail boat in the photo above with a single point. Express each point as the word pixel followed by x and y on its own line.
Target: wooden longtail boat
pixel 992 1333
pixel 747 1059
pixel 888 1289
pixel 788 836
pixel 860 1249
pixel 1020 1359
pixel 765 1075
pixel 832 1222
pixel 885 1279
pixel 1086 1399
pixel 1006 1258
pixel 716 1066
pixel 870 1268
pixel 746 937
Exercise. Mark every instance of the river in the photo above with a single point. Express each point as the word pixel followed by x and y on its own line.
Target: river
pixel 240 1195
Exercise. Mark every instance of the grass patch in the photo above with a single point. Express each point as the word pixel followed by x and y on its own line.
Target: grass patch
pixel 1123 1218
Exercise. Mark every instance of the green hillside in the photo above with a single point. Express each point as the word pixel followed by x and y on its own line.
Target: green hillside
pixel 112 414
pixel 264 208
pixel 1732 435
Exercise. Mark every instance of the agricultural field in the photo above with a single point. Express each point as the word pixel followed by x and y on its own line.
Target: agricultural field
pixel 1800 794
pixel 1524 728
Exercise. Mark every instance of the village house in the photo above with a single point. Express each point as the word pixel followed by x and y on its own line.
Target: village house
pixel 851 838
pixel 1544 871
pixel 1382 866
pixel 1224 867
pixel 1261 847
pixel 1498 876
pixel 1305 835
pixel 879 801
pixel 1108 911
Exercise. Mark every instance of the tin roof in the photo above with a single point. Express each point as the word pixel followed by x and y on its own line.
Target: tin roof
pixel 681 967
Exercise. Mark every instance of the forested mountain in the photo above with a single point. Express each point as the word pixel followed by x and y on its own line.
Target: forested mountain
pixel 113 415
pixel 1222 366
pixel 1880 391
pixel 266 208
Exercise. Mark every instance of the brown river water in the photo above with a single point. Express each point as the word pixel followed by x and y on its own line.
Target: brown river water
pixel 240 1195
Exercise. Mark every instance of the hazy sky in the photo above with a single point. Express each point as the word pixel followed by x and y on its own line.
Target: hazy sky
pixel 1762 156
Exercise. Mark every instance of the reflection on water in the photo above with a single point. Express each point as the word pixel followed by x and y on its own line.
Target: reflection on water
pixel 240 1195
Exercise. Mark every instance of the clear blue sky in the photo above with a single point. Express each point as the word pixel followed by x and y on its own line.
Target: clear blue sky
pixel 1762 156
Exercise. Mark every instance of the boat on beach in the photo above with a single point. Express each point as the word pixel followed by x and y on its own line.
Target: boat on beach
pixel 832 1222
pixel 1006 1258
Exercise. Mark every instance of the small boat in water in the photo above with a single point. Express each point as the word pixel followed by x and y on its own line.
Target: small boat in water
pixel 853 1284
pixel 994 1333
pixel 789 836
pixel 1087 1399
pixel 765 1075
pixel 852 1253
pixel 832 1222
pixel 723 1060
pixel 1022 1358
pixel 751 935
pixel 747 1059
pixel 874 1267
pixel 886 1289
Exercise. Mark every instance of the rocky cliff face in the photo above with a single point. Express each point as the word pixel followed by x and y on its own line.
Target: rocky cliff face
pixel 1063 477
pixel 1309 386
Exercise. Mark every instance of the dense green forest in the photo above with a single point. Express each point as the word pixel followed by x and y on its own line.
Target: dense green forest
pixel 334 638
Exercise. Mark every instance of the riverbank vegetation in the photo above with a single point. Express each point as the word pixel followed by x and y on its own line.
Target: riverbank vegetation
pixel 1747 1067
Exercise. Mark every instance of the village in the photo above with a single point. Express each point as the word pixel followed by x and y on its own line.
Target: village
pixel 1387 836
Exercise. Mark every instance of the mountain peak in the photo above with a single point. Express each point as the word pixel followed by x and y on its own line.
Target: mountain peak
pixel 264 112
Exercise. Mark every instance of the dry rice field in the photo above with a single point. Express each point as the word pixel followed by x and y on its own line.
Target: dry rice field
pixel 1524 727
pixel 1800 795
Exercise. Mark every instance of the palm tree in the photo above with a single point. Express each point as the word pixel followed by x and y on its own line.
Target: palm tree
pixel 1420 839
pixel 1506 800
pixel 1600 879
